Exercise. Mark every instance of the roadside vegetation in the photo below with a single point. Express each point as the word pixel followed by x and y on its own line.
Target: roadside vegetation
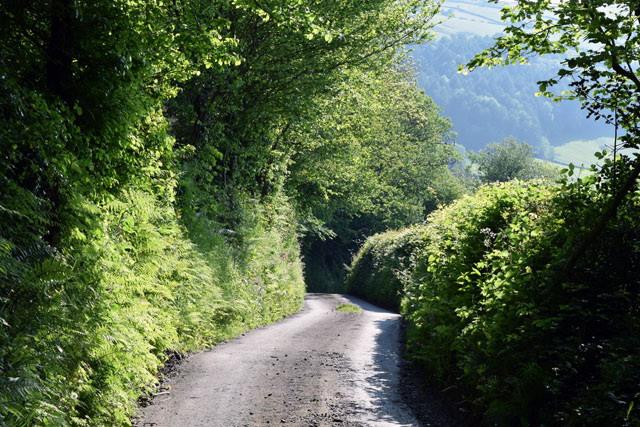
pixel 492 313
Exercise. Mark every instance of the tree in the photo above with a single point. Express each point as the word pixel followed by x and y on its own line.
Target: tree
pixel 501 162
pixel 603 74
pixel 239 117
pixel 374 156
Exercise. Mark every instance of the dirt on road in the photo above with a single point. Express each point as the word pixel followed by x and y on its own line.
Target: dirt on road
pixel 320 367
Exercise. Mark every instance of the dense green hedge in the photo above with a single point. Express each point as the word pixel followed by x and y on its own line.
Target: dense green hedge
pixel 493 315
pixel 375 274
pixel 97 286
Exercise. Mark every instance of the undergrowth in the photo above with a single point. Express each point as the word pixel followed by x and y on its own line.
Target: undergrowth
pixel 86 324
pixel 375 271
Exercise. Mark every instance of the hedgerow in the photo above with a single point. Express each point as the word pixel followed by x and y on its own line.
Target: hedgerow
pixel 375 273
pixel 97 286
pixel 493 313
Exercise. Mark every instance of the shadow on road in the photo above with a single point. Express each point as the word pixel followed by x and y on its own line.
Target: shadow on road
pixel 396 383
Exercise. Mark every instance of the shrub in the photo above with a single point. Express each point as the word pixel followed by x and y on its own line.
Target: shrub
pixel 86 326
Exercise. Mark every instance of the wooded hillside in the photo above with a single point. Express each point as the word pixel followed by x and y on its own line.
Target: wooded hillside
pixel 488 105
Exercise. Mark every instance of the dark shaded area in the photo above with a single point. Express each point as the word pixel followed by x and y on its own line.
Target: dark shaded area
pixel 326 263
pixel 170 369
pixel 428 401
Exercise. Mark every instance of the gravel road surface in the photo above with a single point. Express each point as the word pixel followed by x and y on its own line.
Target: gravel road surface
pixel 320 367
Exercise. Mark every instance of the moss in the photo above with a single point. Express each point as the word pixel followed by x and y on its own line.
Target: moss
pixel 348 308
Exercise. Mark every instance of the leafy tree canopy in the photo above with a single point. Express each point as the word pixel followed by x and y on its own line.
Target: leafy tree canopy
pixel 238 117
pixel 389 151
pixel 602 36
pixel 501 162
pixel 388 143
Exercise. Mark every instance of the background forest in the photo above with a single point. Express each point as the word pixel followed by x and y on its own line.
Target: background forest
pixel 488 105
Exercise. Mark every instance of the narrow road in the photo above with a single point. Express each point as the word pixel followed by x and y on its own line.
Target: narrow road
pixel 320 367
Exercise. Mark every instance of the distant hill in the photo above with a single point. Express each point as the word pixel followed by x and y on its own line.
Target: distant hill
pixel 488 105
